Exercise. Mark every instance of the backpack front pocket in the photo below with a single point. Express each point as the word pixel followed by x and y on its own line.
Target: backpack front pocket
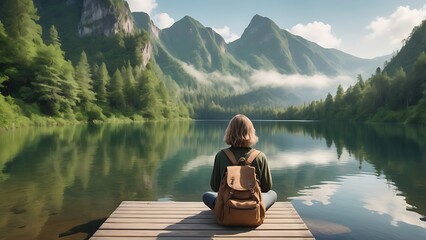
pixel 242 212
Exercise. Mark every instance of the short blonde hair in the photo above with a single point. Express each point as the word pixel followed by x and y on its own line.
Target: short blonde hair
pixel 240 132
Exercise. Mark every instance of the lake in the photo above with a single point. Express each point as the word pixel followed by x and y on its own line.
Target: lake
pixel 346 180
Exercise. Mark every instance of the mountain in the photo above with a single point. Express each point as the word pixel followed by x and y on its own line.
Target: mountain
pixel 143 22
pixel 83 24
pixel 105 17
pixel 192 56
pixel 86 17
pixel 265 96
pixel 189 41
pixel 263 45
pixel 407 56
pixel 169 64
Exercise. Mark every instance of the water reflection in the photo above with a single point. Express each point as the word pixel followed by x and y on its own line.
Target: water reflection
pixel 341 177
pixel 54 178
pixel 321 193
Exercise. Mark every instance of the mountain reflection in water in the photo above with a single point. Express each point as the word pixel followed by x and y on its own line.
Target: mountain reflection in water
pixel 357 181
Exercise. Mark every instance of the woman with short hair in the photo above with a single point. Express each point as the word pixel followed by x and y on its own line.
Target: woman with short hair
pixel 241 136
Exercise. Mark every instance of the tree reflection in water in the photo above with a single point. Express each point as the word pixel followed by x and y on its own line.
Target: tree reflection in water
pixel 55 179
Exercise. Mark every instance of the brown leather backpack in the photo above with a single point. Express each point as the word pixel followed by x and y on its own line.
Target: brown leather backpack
pixel 239 201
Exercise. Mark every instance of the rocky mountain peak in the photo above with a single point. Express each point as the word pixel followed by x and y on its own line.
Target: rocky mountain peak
pixel 102 17
pixel 143 21
pixel 260 25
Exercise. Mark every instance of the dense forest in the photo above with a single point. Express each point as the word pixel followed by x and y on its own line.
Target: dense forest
pixel 40 86
pixel 44 83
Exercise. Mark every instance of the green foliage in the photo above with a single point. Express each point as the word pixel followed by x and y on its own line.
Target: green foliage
pixel 382 98
pixel 109 81
pixel 149 98
pixel 5 57
pixel 83 77
pixel 54 37
pixel 116 95
pixel 11 115
pixel 46 84
pixel 19 19
pixel 50 90
pixel 101 79
pixel 406 57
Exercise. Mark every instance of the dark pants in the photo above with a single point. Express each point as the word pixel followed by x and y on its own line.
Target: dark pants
pixel 269 198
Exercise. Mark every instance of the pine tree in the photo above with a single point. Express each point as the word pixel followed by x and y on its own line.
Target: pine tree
pixel 84 79
pixel 101 79
pixel 54 37
pixel 5 56
pixel 328 106
pixel 147 95
pixel 417 82
pixel 116 96
pixel 69 87
pixel 54 88
pixel 46 84
pixel 19 19
pixel 129 88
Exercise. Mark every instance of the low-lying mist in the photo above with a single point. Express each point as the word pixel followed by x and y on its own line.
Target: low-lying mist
pixel 307 87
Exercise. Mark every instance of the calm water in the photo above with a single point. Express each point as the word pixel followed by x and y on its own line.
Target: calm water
pixel 347 181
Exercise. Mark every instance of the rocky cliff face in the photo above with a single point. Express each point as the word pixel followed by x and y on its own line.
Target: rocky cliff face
pixel 146 54
pixel 101 17
pixel 143 22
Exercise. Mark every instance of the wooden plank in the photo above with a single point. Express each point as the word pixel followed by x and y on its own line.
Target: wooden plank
pixel 202 238
pixel 192 212
pixel 182 216
pixel 196 226
pixel 164 209
pixel 189 220
pixel 204 233
pixel 200 216
pixel 191 204
pixel 185 203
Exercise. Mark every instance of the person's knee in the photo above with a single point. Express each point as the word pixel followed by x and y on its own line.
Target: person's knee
pixel 209 199
pixel 205 197
pixel 274 195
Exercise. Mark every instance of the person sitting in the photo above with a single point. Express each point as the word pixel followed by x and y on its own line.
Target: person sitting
pixel 241 136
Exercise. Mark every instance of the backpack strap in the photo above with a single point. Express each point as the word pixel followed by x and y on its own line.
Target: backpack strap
pixel 230 156
pixel 249 158
pixel 252 155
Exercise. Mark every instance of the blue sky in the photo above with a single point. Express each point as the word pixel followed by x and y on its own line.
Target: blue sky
pixel 364 28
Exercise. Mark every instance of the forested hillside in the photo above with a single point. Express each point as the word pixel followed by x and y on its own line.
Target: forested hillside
pixel 39 85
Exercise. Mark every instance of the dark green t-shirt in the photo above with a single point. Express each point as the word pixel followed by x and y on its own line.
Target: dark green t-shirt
pixel 260 163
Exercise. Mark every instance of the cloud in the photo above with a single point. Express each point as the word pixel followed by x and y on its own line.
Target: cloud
pixel 383 197
pixel 396 27
pixel 199 161
pixel 142 5
pixel 318 193
pixel 308 88
pixel 226 33
pixel 317 32
pixel 214 77
pixel 163 20
pixel 261 78
pixel 386 33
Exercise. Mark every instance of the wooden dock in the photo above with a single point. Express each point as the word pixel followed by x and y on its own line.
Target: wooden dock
pixel 193 220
